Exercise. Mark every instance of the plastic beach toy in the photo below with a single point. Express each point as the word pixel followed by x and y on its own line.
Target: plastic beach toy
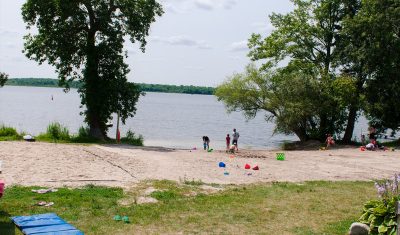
pixel 247 166
pixel 280 156
pixel 222 165
pixel 226 173
pixel 117 218
pixel 210 150
pixel 126 219
pixel 256 168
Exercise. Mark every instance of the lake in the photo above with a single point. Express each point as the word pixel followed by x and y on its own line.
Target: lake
pixel 169 120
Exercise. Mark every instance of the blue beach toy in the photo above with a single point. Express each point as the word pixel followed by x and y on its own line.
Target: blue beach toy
pixel 222 165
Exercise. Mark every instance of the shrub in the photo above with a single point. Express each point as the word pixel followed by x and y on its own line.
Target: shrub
pixel 83 136
pixel 7 131
pixel 380 215
pixel 55 132
pixel 132 139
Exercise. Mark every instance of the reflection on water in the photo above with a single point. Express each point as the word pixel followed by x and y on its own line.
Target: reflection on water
pixel 170 120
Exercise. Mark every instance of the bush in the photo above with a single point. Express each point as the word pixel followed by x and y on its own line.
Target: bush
pixel 132 139
pixel 55 132
pixel 380 215
pixel 9 133
pixel 83 136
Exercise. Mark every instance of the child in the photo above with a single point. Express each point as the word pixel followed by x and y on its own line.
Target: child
pixel 329 141
pixel 204 143
pixel 228 142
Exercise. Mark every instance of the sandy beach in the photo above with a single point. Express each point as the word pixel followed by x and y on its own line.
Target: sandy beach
pixel 55 165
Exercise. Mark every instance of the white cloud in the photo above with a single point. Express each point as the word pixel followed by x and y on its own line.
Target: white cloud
pixel 239 46
pixel 182 40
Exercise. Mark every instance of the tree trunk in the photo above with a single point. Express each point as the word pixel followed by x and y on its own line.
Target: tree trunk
pixel 92 86
pixel 350 124
pixel 301 134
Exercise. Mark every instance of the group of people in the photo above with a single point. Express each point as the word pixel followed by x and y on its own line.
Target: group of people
pixel 229 147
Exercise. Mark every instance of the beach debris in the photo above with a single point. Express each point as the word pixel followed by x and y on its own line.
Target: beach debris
pixel 44 190
pixel 280 156
pixel 194 148
pixel 46 204
pixel 232 156
pixel 256 168
pixel 226 173
pixel 249 174
pixel 247 166
pixel 28 138
pixel 222 165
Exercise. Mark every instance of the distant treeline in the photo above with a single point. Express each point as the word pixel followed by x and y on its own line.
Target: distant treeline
pixel 47 82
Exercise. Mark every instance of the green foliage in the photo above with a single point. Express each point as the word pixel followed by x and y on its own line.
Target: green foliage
pixel 39 82
pixel 3 79
pixel 374 50
pixel 380 215
pixel 84 40
pixel 132 139
pixel 299 57
pixel 55 132
pixel 47 82
pixel 9 133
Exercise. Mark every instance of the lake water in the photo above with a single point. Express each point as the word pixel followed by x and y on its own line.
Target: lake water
pixel 169 120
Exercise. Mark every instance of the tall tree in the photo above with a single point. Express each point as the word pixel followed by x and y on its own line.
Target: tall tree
pixel 306 40
pixel 3 78
pixel 84 39
pixel 375 37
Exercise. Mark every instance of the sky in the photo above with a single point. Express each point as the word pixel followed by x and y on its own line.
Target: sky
pixel 195 42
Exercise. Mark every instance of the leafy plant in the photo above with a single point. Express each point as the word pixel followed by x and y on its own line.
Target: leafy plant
pixel 55 132
pixel 7 131
pixel 380 215
pixel 132 139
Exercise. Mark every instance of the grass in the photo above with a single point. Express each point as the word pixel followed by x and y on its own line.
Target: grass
pixel 57 133
pixel 278 208
pixel 9 133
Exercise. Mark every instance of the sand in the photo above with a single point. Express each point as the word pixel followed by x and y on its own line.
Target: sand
pixel 55 165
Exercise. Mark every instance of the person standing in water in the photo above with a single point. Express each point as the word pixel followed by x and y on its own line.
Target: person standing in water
pixel 235 137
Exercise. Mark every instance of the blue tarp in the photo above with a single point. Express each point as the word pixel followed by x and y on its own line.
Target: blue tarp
pixel 44 224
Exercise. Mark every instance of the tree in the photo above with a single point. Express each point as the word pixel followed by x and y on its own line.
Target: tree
pixel 375 48
pixel 306 40
pixel 3 78
pixel 84 39
pixel 276 92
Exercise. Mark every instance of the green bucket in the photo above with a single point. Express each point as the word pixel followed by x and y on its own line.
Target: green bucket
pixel 280 156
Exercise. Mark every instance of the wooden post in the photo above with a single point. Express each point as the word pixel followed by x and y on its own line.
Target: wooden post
pixel 398 217
pixel 118 134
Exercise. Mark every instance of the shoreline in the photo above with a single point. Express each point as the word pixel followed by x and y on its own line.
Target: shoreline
pixel 71 165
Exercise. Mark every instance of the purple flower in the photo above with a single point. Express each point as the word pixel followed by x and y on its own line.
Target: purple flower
pixel 381 189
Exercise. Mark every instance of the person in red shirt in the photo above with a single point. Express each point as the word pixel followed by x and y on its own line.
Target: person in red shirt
pixel 228 142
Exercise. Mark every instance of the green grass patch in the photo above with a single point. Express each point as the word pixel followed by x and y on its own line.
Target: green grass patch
pixel 279 208
pixel 9 133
